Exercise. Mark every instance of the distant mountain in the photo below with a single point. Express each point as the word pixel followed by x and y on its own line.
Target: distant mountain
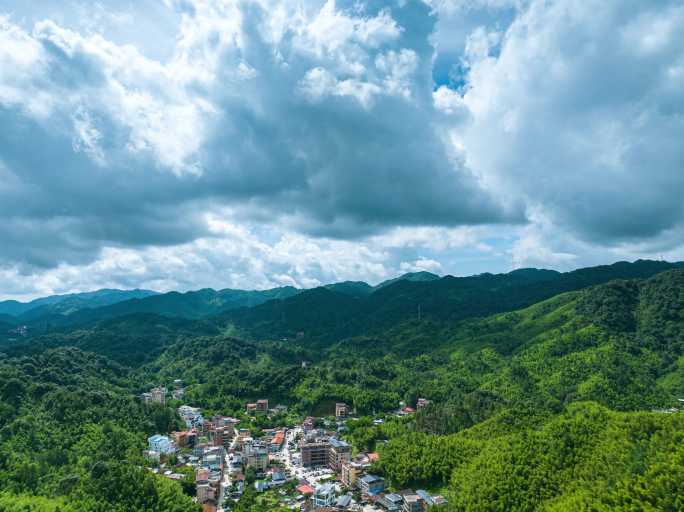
pixel 66 304
pixel 417 277
pixel 327 314
pixel 352 288
pixel 191 305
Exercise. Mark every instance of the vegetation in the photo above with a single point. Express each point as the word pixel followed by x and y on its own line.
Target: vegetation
pixel 548 407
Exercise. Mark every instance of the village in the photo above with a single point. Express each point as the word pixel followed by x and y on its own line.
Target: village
pixel 306 466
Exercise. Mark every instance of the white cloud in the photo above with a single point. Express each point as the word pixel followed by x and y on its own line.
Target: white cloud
pixel 305 142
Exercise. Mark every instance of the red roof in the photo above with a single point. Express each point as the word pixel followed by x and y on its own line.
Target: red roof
pixel 305 489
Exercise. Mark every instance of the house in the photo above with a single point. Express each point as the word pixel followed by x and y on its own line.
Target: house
pixel 262 405
pixel 161 444
pixel 205 492
pixel 391 502
pixel 324 496
pixel 422 402
pixel 371 484
pixel 255 456
pixel 309 424
pixel 151 456
pixel 343 502
pixel 158 395
pixel 277 442
pixel 280 409
pixel 412 503
pixel 350 472
pixel 305 489
pixel 439 500
pixel 427 500
pixel 341 410
pixel 192 416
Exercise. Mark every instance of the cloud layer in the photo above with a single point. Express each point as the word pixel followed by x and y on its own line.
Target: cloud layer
pixel 260 142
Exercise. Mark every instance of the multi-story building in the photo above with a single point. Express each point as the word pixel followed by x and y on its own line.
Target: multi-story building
pixel 185 439
pixel 161 444
pixel 391 502
pixel 158 395
pixel 192 416
pixel 338 453
pixel 422 402
pixel 314 453
pixel 323 496
pixel 341 410
pixel 262 405
pixel 412 503
pixel 309 424
pixel 205 492
pixel 221 436
pixel 350 472
pixel 255 455
pixel 371 484
pixel 277 442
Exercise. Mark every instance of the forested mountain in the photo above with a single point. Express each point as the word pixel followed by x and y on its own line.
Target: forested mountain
pixel 65 304
pixel 322 314
pixel 542 387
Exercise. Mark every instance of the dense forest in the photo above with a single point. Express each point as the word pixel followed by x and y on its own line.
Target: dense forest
pixel 546 389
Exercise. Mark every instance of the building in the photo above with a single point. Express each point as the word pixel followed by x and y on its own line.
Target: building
pixel 341 410
pixel 177 394
pixel 158 395
pixel 343 502
pixel 314 454
pixel 161 444
pixel 391 502
pixel 221 435
pixel 262 405
pixel 280 409
pixel 151 456
pixel 338 453
pixel 277 442
pixel 192 416
pixel 251 408
pixel 412 503
pixel 422 402
pixel 349 473
pixel 309 424
pixel 255 456
pixel 185 439
pixel 205 492
pixel 324 496
pixel 371 484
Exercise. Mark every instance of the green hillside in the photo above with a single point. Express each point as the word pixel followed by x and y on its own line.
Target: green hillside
pixel 547 407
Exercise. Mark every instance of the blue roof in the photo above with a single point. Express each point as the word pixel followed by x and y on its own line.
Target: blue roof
pixel 337 443
pixel 344 501
pixel 425 495
pixel 369 479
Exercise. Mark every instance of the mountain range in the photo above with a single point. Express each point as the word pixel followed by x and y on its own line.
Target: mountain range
pixel 332 311
pixel 548 391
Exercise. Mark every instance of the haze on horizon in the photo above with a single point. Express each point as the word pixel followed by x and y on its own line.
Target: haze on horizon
pixel 182 144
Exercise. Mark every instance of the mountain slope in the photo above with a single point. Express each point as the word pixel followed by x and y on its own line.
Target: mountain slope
pixel 65 304
pixel 447 299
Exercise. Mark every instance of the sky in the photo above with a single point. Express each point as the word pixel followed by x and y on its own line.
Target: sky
pixel 182 144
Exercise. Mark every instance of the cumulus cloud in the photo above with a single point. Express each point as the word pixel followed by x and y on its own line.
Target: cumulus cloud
pixel 585 103
pixel 310 141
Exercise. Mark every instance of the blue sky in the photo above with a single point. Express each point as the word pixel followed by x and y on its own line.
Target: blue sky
pixel 178 144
